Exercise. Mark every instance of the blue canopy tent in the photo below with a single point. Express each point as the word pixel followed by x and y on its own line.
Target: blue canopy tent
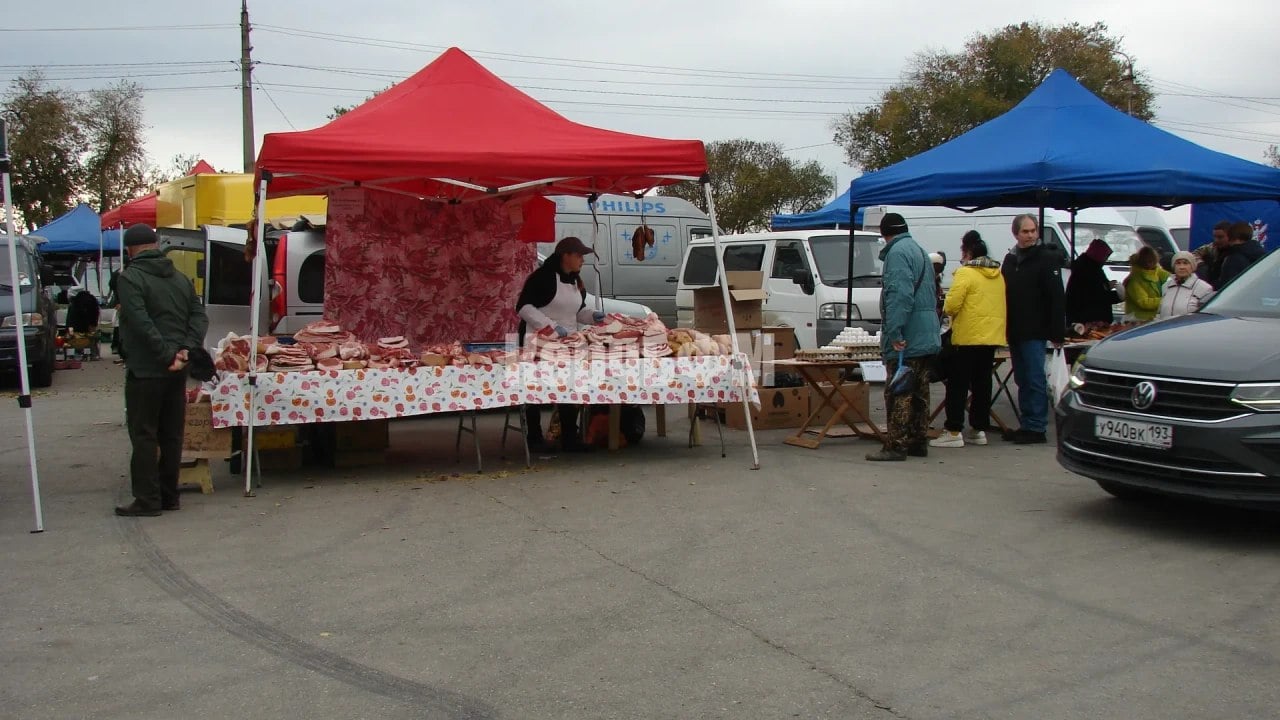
pixel 1063 147
pixel 77 232
pixel 834 214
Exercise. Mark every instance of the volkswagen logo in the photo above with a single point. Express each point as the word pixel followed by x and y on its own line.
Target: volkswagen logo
pixel 1144 394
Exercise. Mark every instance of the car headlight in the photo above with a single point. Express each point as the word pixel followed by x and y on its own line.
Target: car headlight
pixel 1262 397
pixel 836 311
pixel 1077 373
pixel 29 319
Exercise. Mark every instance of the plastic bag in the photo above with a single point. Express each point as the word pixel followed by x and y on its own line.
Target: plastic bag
pixel 1059 375
pixel 903 381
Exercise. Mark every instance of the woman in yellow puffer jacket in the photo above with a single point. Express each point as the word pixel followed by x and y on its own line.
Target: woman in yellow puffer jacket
pixel 976 306
pixel 1144 286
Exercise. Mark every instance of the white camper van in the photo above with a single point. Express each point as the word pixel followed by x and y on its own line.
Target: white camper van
pixel 1152 225
pixel 213 257
pixel 614 272
pixel 806 277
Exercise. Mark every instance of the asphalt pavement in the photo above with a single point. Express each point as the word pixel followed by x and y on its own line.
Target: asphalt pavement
pixel 657 582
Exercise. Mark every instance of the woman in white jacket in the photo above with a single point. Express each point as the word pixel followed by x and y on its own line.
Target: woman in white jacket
pixel 1184 292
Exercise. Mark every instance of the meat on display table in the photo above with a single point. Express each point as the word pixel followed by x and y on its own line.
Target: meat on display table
pixel 344 395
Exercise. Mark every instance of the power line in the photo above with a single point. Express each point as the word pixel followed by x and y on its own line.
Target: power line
pixel 276 105
pixel 119 28
pixel 164 63
pixel 555 61
pixel 118 76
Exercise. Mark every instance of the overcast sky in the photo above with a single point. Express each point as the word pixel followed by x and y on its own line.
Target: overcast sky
pixel 709 70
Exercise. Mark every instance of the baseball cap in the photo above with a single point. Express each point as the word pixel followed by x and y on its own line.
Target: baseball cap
pixel 573 245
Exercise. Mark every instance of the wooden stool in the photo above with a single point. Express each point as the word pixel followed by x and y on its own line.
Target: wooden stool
pixel 195 471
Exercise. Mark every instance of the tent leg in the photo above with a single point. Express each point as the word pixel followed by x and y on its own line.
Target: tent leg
pixel 24 399
pixel 733 330
pixel 255 304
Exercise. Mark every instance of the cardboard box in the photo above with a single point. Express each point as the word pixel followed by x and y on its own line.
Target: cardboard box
pixel 199 435
pixel 779 408
pixel 746 293
pixel 362 435
pixel 765 344
pixel 862 396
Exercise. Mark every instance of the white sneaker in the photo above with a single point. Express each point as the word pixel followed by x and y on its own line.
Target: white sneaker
pixel 947 439
pixel 975 437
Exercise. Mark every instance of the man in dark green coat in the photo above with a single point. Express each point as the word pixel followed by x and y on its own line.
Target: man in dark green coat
pixel 161 318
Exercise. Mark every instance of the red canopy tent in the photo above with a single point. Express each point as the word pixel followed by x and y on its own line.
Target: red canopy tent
pixel 455 132
pixel 138 210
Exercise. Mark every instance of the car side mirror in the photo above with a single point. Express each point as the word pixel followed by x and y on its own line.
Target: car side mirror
pixel 804 278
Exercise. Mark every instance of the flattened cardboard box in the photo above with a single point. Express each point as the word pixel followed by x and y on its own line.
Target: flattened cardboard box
pixel 779 408
pixel 198 434
pixel 746 296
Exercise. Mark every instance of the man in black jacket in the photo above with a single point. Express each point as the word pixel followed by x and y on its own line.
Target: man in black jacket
pixel 161 319
pixel 1034 307
pixel 1241 252
pixel 1090 294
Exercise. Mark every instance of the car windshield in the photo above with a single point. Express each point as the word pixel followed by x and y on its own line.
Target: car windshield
pixel 1256 293
pixel 831 254
pixel 6 280
pixel 1124 241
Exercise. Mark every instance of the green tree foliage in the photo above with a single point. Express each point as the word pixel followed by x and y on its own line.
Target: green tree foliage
pixel 46 142
pixel 340 110
pixel 179 166
pixel 947 94
pixel 1272 156
pixel 115 167
pixel 752 181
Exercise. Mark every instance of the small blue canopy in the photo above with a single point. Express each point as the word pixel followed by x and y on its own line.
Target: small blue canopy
pixel 834 214
pixel 1065 148
pixel 1261 214
pixel 77 232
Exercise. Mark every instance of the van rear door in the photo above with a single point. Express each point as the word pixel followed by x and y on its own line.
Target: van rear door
pixel 652 280
pixel 215 257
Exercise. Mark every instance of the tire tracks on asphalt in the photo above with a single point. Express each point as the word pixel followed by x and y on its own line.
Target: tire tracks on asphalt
pixel 182 587
pixel 714 612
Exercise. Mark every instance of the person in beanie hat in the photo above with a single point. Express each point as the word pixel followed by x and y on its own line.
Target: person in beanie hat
pixel 161 318
pixel 1184 292
pixel 1090 294
pixel 909 330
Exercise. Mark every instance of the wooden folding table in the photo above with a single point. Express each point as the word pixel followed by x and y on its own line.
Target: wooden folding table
pixel 837 397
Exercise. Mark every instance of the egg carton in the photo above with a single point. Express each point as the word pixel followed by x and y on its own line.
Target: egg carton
pixel 820 355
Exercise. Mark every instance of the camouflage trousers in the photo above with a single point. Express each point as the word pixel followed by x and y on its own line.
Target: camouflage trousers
pixel 908 413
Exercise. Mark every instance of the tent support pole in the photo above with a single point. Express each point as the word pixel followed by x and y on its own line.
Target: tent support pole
pixel 1073 233
pixel 848 291
pixel 728 313
pixel 24 399
pixel 255 300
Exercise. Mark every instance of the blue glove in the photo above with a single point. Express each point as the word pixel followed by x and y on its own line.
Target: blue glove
pixel 597 316
pixel 562 330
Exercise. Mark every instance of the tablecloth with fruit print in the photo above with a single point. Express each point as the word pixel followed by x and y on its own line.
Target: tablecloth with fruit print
pixel 339 396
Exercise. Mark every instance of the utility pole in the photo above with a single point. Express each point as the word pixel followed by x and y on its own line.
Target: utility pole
pixel 246 86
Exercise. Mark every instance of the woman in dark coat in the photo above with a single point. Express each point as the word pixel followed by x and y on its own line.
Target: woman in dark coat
pixel 1090 294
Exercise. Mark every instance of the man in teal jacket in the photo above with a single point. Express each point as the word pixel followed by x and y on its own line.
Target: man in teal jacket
pixel 909 315
pixel 161 320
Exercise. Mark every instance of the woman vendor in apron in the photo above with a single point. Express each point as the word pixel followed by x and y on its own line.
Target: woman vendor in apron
pixel 554 296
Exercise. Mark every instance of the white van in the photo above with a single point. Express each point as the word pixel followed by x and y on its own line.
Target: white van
pixel 1152 225
pixel 939 229
pixel 614 272
pixel 806 277
pixel 213 257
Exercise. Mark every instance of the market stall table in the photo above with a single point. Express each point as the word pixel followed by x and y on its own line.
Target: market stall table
pixel 1002 357
pixel 345 395
pixel 835 396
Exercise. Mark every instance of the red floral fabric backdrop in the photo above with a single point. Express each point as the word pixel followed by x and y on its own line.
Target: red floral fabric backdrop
pixel 434 273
